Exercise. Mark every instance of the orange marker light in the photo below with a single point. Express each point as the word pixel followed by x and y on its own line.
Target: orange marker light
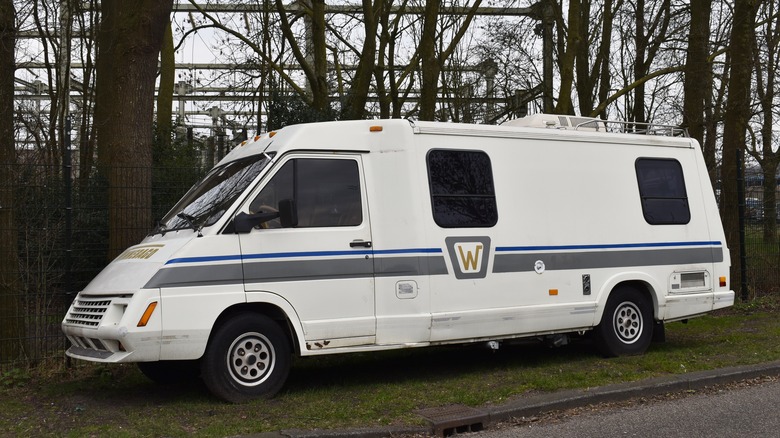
pixel 553 292
pixel 257 137
pixel 147 314
pixel 375 129
pixel 271 134
pixel 722 281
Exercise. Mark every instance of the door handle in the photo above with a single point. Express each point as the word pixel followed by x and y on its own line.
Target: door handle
pixel 360 243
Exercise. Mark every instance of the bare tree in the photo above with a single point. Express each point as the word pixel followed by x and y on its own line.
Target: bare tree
pixel 736 124
pixel 593 61
pixel 10 289
pixel 698 77
pixel 567 51
pixel 85 17
pixel 766 57
pixel 165 90
pixel 355 103
pixel 129 42
pixel 432 60
pixel 649 34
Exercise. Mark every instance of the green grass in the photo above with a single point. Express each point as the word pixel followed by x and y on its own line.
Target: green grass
pixel 367 389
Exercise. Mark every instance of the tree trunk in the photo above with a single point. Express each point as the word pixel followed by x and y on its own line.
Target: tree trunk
pixel 432 63
pixel 585 83
pixel 697 70
pixel 603 57
pixel 766 62
pixel 129 42
pixel 165 93
pixel 10 288
pixel 640 68
pixel 355 104
pixel 735 126
pixel 314 62
pixel 321 97
pixel 429 62
pixel 567 60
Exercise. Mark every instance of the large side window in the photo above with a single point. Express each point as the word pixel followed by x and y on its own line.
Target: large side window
pixel 326 192
pixel 662 190
pixel 462 192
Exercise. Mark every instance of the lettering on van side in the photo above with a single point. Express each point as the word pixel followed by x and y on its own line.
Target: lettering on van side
pixel 469 256
pixel 143 252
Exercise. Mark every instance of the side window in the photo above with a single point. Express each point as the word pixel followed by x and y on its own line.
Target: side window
pixel 462 192
pixel 326 192
pixel 662 190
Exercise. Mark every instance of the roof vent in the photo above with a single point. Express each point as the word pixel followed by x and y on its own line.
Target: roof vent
pixel 553 121
pixel 579 123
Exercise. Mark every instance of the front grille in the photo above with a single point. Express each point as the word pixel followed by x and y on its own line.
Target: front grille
pixel 88 312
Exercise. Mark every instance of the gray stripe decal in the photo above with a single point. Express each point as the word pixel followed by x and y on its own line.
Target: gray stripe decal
pixel 302 270
pixel 298 270
pixel 606 259
pixel 200 275
pixel 409 266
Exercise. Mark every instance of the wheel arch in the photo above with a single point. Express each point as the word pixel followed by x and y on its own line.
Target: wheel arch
pixel 272 311
pixel 642 282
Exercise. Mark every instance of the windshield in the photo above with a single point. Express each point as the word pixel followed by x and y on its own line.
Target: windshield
pixel 208 200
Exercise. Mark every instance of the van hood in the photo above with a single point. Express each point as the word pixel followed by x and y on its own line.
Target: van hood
pixel 134 267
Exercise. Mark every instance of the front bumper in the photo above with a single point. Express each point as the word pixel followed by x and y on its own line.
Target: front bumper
pixel 104 328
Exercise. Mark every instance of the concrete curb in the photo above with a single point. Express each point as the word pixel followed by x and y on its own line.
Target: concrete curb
pixel 534 405
pixel 538 404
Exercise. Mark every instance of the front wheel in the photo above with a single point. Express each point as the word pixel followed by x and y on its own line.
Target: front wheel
pixel 248 357
pixel 626 328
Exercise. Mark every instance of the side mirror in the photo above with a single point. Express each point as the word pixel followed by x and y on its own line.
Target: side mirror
pixel 243 222
pixel 288 213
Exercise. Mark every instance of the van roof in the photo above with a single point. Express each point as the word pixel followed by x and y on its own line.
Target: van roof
pixel 537 127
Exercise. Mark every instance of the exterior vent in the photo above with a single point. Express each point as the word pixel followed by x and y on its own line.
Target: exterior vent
pixel 560 122
pixel 578 123
pixel 88 312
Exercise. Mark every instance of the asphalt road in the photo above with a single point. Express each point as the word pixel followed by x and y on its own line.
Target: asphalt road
pixel 747 409
pixel 740 401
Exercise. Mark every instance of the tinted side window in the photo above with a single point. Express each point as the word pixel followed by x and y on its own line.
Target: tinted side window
pixel 662 190
pixel 462 192
pixel 326 191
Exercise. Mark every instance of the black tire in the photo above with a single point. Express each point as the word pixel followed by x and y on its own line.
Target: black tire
pixel 167 372
pixel 247 357
pixel 626 328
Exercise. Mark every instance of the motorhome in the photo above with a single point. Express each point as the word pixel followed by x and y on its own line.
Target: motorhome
pixel 357 236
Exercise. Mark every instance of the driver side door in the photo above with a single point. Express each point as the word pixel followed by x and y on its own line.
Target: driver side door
pixel 323 266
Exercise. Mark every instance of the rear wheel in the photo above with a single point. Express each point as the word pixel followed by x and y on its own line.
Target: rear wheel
pixel 626 328
pixel 248 357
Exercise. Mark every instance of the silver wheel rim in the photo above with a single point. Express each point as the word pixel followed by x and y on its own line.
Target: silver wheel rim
pixel 627 322
pixel 251 359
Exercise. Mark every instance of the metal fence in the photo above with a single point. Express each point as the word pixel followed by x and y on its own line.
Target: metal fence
pixel 58 241
pixel 53 241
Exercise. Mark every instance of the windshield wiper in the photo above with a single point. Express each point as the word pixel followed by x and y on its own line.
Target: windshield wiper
pixel 189 219
pixel 160 228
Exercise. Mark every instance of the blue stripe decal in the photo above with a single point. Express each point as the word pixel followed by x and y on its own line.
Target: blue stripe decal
pixel 607 246
pixel 282 255
pixel 203 259
pixel 409 251
pixel 285 255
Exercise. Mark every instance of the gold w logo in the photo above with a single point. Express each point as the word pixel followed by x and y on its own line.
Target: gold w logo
pixel 470 260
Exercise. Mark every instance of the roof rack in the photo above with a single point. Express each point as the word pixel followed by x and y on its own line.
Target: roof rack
pixel 577 123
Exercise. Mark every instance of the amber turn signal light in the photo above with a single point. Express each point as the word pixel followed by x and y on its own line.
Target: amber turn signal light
pixel 147 314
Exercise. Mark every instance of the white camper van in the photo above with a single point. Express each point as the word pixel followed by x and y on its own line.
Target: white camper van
pixel 379 234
